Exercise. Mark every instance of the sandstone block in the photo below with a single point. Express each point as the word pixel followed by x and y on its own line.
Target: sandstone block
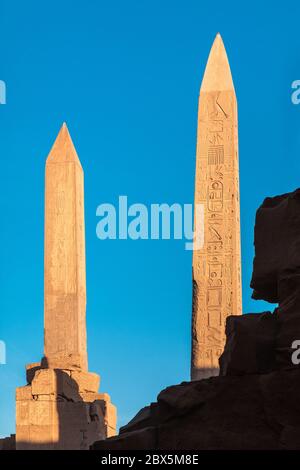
pixel 56 382
pixel 24 393
pixel 86 381
pixel 277 255
pixel 110 416
pixel 65 362
pixel 8 443
pixel 44 382
pixel 42 413
pixel 251 344
pixel 90 397
pixel 31 370
pixel 22 412
pixel 66 386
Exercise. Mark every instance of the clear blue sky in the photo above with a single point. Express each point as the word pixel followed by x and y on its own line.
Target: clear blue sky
pixel 126 76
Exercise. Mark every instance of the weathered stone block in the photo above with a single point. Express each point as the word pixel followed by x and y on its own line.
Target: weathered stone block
pixel 65 362
pixel 22 412
pixel 90 397
pixel 66 386
pixel 87 381
pixel 277 254
pixel 42 413
pixel 23 433
pixel 56 382
pixel 44 435
pixel 24 393
pixel 110 416
pixel 8 443
pixel 44 382
pixel 250 344
pixel 31 370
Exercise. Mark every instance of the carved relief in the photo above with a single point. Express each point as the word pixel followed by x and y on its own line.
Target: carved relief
pixel 217 174
pixel 215 154
pixel 215 196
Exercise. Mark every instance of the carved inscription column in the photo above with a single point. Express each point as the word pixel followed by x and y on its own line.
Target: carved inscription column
pixel 60 408
pixel 216 266
pixel 65 284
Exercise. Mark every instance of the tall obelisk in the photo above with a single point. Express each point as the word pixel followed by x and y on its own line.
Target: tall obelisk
pixel 217 265
pixel 64 277
pixel 60 407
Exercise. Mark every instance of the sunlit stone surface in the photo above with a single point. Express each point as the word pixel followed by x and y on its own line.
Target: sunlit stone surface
pixel 217 266
pixel 61 408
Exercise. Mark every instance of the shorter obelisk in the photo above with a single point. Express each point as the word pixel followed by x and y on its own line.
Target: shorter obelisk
pixel 217 265
pixel 64 279
pixel 61 408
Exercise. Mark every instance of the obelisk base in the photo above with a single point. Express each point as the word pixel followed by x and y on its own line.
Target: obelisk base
pixel 62 409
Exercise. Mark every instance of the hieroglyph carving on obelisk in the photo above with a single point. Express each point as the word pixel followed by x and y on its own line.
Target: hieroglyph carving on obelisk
pixel 60 407
pixel 65 284
pixel 217 265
